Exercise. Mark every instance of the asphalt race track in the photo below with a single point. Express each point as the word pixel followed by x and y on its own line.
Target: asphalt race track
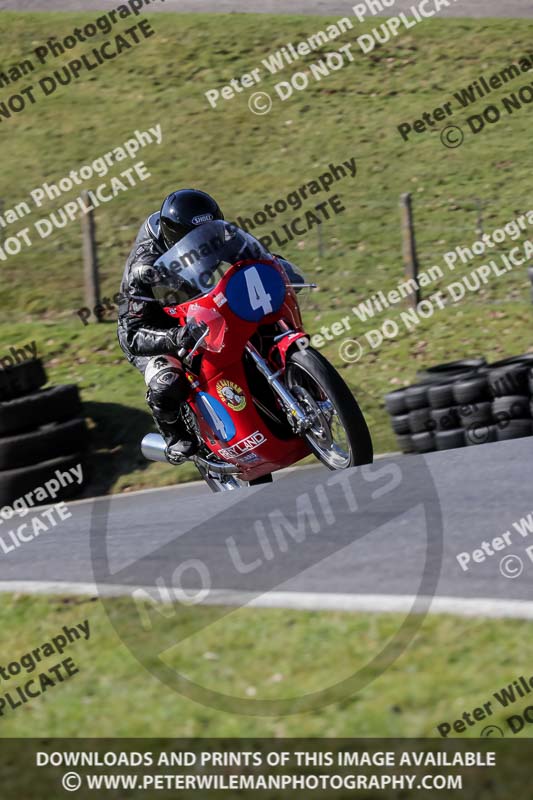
pixel 367 538
pixel 463 8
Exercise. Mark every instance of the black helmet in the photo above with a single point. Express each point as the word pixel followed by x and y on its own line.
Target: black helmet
pixel 183 211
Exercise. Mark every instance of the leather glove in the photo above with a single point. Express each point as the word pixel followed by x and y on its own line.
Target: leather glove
pixel 179 339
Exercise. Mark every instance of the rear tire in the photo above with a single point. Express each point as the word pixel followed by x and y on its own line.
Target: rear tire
pixel 311 371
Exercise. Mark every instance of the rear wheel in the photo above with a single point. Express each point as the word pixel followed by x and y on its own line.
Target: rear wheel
pixel 339 436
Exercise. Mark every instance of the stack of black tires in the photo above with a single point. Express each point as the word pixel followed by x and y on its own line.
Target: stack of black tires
pixel 42 431
pixel 464 403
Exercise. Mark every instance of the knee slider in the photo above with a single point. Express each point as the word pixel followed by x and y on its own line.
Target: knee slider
pixel 163 415
pixel 166 381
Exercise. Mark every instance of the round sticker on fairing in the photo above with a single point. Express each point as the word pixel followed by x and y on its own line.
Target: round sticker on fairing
pixel 231 394
pixel 255 292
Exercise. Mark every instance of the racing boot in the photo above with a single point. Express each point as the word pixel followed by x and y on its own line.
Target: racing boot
pixel 181 444
pixel 180 450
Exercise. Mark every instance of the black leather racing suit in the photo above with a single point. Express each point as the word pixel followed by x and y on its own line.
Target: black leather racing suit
pixel 143 331
pixel 142 323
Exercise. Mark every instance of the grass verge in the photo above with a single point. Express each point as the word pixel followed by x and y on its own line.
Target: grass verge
pixel 261 654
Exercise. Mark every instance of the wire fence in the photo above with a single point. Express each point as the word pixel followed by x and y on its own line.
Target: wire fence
pixel 371 240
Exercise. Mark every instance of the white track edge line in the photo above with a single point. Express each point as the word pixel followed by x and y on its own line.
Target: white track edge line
pixel 302 601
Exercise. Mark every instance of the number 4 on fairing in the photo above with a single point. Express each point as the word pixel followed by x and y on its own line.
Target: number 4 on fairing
pixel 258 296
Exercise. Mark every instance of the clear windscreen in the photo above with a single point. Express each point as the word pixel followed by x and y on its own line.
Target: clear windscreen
pixel 195 265
pixel 213 326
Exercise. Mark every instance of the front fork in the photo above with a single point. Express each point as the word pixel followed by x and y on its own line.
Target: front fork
pixel 298 419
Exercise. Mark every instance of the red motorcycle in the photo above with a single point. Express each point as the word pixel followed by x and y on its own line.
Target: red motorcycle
pixel 261 398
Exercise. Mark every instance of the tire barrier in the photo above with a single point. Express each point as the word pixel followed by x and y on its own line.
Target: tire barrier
pixel 420 420
pixel 41 430
pixel 463 404
pixel 448 440
pixel 400 424
pixel 423 442
pixel 395 402
pixel 21 379
pixel 445 419
pixel 416 397
pixel 441 396
pixel 443 373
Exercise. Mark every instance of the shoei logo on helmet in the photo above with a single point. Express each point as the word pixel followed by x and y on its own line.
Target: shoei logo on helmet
pixel 202 218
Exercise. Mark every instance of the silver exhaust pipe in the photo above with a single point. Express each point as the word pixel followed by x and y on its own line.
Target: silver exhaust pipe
pixel 154 448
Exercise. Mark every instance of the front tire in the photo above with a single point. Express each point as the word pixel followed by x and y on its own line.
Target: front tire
pixel 339 437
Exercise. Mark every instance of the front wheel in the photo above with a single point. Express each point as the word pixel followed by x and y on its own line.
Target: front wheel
pixel 339 435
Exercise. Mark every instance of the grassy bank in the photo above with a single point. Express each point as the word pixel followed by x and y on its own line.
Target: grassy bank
pixel 260 654
pixel 247 161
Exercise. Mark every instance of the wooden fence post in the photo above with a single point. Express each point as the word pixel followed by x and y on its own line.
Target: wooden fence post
pixel 410 258
pixel 90 258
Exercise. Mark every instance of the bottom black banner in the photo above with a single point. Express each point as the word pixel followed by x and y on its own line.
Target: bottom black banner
pixel 490 769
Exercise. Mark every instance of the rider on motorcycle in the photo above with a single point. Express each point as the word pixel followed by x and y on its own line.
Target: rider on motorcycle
pixel 150 338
